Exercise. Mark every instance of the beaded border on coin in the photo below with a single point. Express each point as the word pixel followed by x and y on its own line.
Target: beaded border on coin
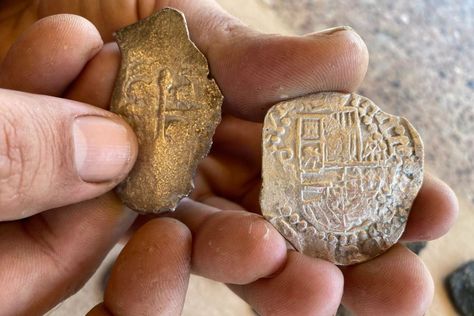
pixel 339 175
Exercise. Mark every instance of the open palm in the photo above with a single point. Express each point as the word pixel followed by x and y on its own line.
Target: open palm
pixel 223 238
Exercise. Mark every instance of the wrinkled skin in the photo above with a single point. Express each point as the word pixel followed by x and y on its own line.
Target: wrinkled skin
pixel 49 252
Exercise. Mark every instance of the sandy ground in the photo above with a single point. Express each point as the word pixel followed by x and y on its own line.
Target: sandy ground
pixel 416 70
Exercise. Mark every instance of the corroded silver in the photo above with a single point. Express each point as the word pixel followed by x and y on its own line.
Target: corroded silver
pixel 164 92
pixel 339 175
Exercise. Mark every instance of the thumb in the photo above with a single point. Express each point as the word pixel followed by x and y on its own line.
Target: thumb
pixel 55 152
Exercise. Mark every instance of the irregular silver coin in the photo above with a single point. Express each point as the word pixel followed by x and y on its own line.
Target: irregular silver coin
pixel 339 175
pixel 164 92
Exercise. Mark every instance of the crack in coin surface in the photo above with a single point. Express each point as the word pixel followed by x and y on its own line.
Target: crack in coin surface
pixel 339 175
pixel 164 92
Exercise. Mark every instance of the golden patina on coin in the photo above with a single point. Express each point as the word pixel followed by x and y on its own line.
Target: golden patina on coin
pixel 164 93
pixel 339 175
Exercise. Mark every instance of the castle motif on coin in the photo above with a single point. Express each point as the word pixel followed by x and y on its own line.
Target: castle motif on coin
pixel 339 175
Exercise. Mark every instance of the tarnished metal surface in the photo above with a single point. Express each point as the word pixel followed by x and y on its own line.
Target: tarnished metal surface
pixel 164 93
pixel 339 175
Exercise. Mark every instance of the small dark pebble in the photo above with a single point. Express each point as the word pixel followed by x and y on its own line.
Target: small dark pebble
pixel 417 246
pixel 460 286
pixel 470 84
pixel 396 83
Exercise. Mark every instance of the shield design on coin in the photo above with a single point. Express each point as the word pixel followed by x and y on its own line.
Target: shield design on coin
pixel 339 175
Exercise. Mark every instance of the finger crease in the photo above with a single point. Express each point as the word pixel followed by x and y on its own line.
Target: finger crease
pixel 41 234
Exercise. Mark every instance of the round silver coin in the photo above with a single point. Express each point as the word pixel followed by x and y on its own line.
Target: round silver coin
pixel 339 175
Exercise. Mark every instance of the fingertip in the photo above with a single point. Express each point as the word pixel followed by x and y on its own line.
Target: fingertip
pixel 237 247
pixel 305 286
pixel 50 54
pixel 350 70
pixel 349 73
pixel 320 280
pixel 417 287
pixel 395 283
pixel 62 26
pixel 165 227
pixel 151 274
pixel 327 277
pixel 447 197
pixel 434 211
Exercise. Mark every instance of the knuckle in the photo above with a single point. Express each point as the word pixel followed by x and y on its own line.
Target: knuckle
pixel 12 161
pixel 22 159
pixel 31 158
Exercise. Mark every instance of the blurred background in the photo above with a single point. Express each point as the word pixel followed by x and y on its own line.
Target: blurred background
pixel 421 67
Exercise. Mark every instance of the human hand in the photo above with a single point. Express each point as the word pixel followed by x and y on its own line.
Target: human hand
pixel 254 71
pixel 55 156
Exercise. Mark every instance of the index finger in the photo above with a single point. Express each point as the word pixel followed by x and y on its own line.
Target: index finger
pixel 253 70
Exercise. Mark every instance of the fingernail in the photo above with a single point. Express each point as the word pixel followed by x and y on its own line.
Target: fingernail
pixel 102 148
pixel 332 30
